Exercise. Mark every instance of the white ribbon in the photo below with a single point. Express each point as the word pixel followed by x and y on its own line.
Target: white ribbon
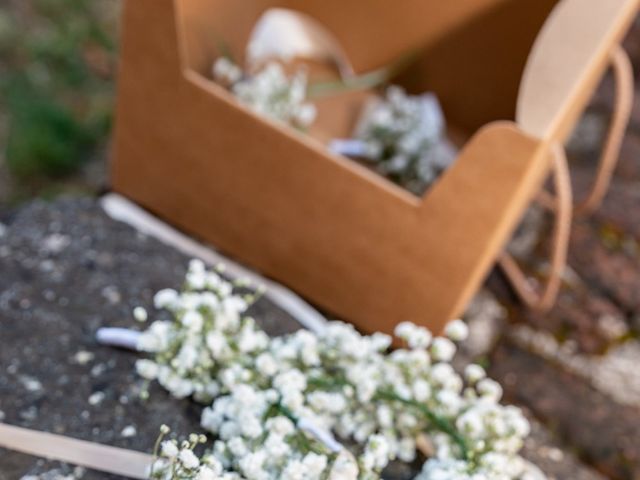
pixel 349 147
pixel 118 337
pixel 123 210
pixel 323 436
pixel 118 461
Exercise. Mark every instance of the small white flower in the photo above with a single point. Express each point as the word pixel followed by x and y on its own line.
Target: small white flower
pixel 196 266
pixel 420 338
pixel 489 389
pixel 344 467
pixel 166 298
pixel 196 280
pixel 315 464
pixel 457 330
pixel 290 381
pixel 442 373
pixel 251 340
pixel 404 330
pixel 305 115
pixel 421 390
pixel 169 449
pixel 473 373
pixel 407 449
pixel 280 425
pixel 225 71
pixel 187 357
pixel 156 338
pixel 193 320
pixel 147 369
pixel 380 341
pixel 385 416
pixel 376 454
pixel 251 464
pixel 213 464
pixel 206 473
pixel 140 314
pixel 188 459
pixel 443 349
pixel 237 447
pixel 266 364
pixel 276 446
pixel 218 345
pixel 295 470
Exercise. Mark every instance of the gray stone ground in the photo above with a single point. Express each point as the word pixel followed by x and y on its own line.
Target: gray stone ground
pixel 68 269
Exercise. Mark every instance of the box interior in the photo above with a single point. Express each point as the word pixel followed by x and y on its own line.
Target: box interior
pixel 472 52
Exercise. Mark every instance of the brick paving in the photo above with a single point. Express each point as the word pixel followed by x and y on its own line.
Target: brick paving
pixel 587 421
pixel 576 367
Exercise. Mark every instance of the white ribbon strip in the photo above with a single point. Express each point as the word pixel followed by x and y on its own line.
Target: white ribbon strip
pixel 121 209
pixel 104 458
pixel 348 147
pixel 118 337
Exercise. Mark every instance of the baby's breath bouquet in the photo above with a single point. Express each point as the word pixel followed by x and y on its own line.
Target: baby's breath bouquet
pixel 269 92
pixel 275 406
pixel 403 137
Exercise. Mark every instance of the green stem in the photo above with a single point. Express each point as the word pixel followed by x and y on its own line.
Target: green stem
pixel 365 81
pixel 156 450
pixel 440 423
pixel 301 438
pixel 327 384
pixel 437 421
pixel 286 412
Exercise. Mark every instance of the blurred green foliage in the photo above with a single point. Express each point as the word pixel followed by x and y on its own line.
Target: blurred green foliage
pixel 57 63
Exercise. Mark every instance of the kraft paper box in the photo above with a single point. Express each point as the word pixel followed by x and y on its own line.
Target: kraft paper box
pixel 512 76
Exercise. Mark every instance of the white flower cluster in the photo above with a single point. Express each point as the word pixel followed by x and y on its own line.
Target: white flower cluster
pixel 192 349
pixel 404 138
pixel 278 401
pixel 177 461
pixel 269 92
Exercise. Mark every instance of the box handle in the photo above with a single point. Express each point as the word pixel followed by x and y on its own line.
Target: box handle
pixel 623 102
pixel 567 61
pixel 561 204
pixel 543 299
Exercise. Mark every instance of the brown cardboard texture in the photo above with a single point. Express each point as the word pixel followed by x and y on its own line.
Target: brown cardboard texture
pixel 344 237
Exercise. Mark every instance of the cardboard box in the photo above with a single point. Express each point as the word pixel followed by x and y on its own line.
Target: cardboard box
pixel 350 241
